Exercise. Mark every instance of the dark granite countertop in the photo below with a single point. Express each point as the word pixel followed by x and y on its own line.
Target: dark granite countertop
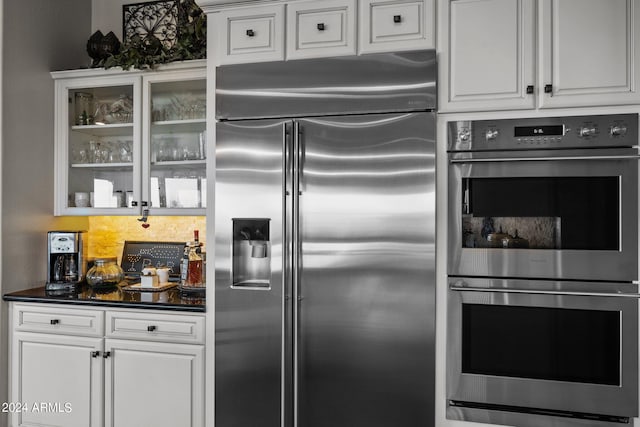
pixel 171 299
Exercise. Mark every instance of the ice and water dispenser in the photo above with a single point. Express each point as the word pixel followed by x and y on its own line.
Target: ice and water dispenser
pixel 251 253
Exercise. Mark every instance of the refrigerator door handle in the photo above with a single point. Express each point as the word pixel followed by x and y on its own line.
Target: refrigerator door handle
pixel 300 153
pixel 286 415
pixel 297 158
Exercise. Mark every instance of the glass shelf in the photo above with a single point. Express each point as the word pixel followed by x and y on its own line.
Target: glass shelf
pixel 113 129
pixel 115 166
pixel 171 163
pixel 176 126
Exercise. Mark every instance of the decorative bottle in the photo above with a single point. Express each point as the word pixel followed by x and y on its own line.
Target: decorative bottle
pixel 192 267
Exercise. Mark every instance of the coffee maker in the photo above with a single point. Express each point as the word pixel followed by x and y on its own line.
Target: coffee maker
pixel 66 264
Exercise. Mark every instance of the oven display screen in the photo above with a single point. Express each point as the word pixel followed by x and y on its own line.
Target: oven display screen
pixel 525 131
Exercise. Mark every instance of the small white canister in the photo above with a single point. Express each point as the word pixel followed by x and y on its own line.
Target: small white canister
pixel 163 274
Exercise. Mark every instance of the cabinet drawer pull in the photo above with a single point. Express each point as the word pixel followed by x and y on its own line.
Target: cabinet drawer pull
pixel 95 354
pixel 321 26
pixel 134 203
pixel 55 321
pixel 151 328
pixel 529 89
pixel 397 19
pixel 106 354
pixel 548 88
pixel 250 33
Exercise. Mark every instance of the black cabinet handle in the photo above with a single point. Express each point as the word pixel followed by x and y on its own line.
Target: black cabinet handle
pixel 134 203
pixel 106 354
pixel 251 33
pixel 144 203
pixel 529 89
pixel 95 354
pixel 397 19
pixel 55 321
pixel 151 328
pixel 321 26
pixel 548 88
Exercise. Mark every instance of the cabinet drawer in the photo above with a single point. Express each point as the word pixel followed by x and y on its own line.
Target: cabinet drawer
pixel 58 320
pixel 321 29
pixel 396 25
pixel 155 326
pixel 252 34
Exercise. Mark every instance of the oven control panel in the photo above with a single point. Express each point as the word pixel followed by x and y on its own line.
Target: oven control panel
pixel 598 131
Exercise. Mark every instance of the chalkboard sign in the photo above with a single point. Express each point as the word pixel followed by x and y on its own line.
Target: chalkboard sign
pixel 139 255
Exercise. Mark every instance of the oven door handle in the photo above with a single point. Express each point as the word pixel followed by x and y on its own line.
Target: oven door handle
pixel 544 159
pixel 543 292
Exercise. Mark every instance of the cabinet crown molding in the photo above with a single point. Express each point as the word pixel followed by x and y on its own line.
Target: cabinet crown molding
pixel 209 6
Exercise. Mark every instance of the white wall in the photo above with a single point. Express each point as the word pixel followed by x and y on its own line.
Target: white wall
pixel 38 36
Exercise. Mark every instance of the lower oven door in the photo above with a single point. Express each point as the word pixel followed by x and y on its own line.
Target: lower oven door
pixel 563 348
pixel 553 215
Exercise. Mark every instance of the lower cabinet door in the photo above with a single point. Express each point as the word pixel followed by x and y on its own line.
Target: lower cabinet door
pixel 56 380
pixel 153 384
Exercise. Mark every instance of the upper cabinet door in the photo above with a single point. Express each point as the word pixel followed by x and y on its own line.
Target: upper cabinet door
pixel 174 169
pixel 589 52
pixel 317 29
pixel 487 56
pixel 395 25
pixel 251 34
pixel 97 154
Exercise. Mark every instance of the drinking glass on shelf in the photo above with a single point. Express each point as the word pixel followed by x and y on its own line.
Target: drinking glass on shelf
pixel 163 151
pixel 114 156
pixel 157 115
pixel 198 109
pixel 79 154
pixel 102 153
pixel 92 154
pixel 81 199
pixel 84 108
pixel 123 152
pixel 175 154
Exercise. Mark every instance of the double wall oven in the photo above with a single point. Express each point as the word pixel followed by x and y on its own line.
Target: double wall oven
pixel 543 271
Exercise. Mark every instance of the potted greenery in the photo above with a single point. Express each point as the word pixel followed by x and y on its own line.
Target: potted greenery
pixel 148 51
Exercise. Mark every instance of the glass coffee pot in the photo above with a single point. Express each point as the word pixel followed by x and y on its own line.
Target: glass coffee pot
pixel 105 273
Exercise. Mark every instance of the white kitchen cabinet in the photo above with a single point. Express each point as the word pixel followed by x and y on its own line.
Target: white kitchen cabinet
pixel 589 52
pixel 390 26
pixel 153 384
pixel 259 30
pixel 316 29
pixel 162 327
pixel 251 34
pixel 526 54
pixel 58 379
pixel 138 142
pixel 490 55
pixel 145 368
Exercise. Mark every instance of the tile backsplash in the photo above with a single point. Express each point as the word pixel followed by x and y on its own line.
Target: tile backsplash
pixel 107 234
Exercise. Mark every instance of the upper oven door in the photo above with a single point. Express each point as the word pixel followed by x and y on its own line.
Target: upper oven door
pixel 544 215
pixel 548 345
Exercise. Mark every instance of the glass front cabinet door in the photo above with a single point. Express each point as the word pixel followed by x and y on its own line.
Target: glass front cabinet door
pixel 127 141
pixel 174 170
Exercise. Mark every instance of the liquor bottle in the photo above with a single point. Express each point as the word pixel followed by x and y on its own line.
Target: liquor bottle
pixel 192 277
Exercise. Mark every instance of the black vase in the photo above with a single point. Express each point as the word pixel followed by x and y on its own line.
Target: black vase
pixel 110 44
pixel 100 47
pixel 94 49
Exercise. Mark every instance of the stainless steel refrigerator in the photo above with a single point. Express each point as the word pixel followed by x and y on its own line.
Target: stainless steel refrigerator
pixel 325 242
